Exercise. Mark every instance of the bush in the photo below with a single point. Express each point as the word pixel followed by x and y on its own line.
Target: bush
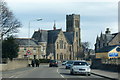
pixel 44 60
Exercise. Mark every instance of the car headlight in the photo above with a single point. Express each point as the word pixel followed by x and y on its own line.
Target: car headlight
pixel 75 68
pixel 88 69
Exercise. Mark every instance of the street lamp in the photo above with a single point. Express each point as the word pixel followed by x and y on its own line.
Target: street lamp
pixel 39 19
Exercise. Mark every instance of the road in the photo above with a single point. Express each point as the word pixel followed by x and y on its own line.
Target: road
pixel 44 71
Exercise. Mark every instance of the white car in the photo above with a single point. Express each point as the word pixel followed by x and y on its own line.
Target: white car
pixel 80 67
pixel 64 62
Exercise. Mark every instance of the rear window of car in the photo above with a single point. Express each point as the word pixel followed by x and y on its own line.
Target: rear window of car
pixel 53 61
pixel 80 63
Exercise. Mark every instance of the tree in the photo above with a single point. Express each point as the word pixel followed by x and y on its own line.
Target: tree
pixel 8 23
pixel 9 48
pixel 81 54
pixel 86 44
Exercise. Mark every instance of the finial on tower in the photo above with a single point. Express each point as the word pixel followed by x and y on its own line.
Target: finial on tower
pixel 54 27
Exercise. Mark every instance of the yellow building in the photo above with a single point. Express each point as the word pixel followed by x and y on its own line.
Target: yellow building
pixel 108 52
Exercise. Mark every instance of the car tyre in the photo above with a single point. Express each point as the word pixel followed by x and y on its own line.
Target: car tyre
pixel 65 67
pixel 88 74
pixel 71 72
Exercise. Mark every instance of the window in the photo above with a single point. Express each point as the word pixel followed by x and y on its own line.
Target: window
pixel 57 45
pixel 61 56
pixel 61 44
pixel 65 46
pixel 76 23
pixel 57 56
pixel 64 56
pixel 76 34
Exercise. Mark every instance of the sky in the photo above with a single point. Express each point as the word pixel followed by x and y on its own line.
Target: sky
pixel 95 16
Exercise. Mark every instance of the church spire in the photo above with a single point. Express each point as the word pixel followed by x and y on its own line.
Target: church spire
pixel 54 27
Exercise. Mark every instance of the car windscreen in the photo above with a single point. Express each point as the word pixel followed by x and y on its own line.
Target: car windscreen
pixel 69 62
pixel 80 63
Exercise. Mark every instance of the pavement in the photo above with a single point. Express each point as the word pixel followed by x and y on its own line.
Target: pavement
pixel 106 74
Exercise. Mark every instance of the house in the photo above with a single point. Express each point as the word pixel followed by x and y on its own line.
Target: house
pixel 29 48
pixel 108 52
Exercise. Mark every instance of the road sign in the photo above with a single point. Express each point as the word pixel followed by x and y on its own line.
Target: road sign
pixel 113 54
pixel 28 52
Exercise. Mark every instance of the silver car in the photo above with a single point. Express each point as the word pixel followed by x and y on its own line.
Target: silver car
pixel 80 67
pixel 69 64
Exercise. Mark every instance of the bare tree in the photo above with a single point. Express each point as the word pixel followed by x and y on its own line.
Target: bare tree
pixel 8 23
pixel 86 44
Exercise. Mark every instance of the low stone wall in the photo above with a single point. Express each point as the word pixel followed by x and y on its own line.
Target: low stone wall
pixel 14 64
pixel 97 64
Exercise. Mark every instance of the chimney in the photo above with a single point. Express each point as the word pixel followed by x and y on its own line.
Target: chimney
pixel 107 31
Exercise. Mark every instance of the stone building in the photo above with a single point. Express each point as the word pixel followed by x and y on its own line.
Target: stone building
pixel 62 45
pixel 115 40
pixel 28 44
pixel 104 39
pixel 106 44
pixel 58 44
pixel 73 27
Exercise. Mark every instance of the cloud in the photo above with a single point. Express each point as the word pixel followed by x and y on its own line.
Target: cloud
pixel 96 15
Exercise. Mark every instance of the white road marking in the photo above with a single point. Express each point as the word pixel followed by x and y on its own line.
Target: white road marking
pixel 60 74
pixel 20 73
pixel 11 77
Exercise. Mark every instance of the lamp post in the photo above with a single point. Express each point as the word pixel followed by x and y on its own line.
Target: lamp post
pixel 29 37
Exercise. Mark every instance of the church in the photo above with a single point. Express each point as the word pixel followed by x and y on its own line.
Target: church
pixel 57 44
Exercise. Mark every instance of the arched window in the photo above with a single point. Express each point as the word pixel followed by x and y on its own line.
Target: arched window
pixel 61 44
pixel 61 56
pixel 57 56
pixel 57 46
pixel 64 45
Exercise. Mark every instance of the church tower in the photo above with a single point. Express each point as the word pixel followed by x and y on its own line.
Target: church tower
pixel 73 25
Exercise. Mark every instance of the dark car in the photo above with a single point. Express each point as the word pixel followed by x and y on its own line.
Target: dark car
pixel 53 63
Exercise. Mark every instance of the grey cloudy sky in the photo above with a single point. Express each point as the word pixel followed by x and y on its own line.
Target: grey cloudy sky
pixel 96 15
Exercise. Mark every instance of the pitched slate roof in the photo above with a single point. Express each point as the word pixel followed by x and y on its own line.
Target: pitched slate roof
pixel 106 48
pixel 52 35
pixel 40 35
pixel 26 41
pixel 107 37
pixel 69 36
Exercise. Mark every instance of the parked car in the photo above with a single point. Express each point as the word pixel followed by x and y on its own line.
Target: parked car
pixel 69 64
pixel 64 62
pixel 53 63
pixel 80 67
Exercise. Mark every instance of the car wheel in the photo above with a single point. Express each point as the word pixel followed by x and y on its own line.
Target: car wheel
pixel 88 74
pixel 65 67
pixel 71 72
